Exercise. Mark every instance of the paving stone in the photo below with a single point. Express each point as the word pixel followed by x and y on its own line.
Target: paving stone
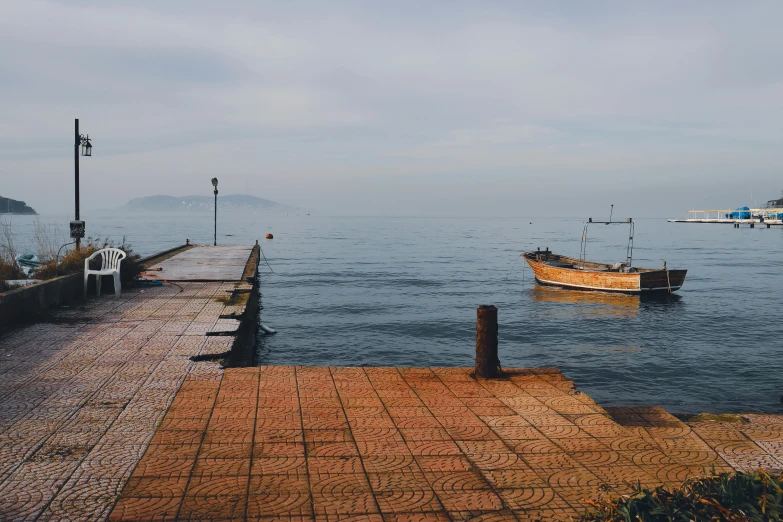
pixel 120 410
pixel 82 417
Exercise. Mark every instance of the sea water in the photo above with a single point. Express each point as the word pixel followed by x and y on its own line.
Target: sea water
pixel 404 291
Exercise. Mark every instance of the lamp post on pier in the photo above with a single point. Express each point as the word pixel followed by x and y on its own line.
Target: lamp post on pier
pixel 80 140
pixel 214 184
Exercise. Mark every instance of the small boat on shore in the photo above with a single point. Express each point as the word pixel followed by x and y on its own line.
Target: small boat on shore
pixel 569 272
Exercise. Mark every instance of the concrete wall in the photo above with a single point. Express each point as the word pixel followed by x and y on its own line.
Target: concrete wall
pixel 28 302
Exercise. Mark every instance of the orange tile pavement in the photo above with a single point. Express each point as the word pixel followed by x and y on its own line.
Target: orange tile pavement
pixel 414 444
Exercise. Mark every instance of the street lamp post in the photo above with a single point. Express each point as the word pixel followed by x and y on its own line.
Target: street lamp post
pixel 77 226
pixel 214 184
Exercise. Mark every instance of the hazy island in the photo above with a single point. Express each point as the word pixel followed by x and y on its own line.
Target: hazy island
pixel 197 203
pixel 12 206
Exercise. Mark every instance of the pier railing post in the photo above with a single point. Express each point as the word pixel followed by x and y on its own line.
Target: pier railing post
pixel 487 362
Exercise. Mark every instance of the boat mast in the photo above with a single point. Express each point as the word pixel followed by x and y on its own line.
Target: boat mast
pixel 628 249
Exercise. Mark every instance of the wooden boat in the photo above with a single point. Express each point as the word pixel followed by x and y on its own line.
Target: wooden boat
pixel 579 274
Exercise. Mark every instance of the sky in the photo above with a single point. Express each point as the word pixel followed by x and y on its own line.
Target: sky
pixel 404 108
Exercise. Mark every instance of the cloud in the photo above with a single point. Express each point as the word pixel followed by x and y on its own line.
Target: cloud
pixel 496 135
pixel 305 95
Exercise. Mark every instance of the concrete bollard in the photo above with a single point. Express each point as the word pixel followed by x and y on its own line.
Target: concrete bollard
pixel 487 362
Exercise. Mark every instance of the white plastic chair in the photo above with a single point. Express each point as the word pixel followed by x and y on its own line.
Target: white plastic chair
pixel 110 265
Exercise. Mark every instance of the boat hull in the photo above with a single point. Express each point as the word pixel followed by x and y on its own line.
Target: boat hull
pixel 643 281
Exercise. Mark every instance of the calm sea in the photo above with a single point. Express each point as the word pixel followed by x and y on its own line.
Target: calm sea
pixel 403 292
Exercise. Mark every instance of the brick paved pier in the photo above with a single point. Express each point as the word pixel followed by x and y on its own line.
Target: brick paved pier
pixel 401 444
pixel 103 415
pixel 82 396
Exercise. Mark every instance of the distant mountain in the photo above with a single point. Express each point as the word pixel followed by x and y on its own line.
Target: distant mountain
pixel 12 206
pixel 171 203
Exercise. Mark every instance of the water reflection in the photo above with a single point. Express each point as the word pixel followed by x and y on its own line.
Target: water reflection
pixel 598 304
pixel 661 297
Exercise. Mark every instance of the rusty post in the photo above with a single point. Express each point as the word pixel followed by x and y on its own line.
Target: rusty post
pixel 487 362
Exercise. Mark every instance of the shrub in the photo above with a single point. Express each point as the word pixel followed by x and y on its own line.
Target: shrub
pixel 9 271
pixel 755 496
pixel 73 261
pixel 70 263
pixel 131 267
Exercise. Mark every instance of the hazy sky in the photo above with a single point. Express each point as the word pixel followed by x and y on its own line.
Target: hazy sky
pixel 396 108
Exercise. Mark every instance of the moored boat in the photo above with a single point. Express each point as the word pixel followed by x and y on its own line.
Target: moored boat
pixel 568 272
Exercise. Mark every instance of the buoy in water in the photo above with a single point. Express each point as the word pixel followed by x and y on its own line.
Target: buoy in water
pixel 266 329
pixel 270 236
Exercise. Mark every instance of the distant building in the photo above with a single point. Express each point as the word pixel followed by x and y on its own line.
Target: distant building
pixel 775 203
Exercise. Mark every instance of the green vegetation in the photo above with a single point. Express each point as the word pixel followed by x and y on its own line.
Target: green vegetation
pixel 729 497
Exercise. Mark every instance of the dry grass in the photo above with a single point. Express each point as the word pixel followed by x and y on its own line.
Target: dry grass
pixel 73 261
pixel 9 271
pixel 8 268
pixel 55 263
pixel 48 241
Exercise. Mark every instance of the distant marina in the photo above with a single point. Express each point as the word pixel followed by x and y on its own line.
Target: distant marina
pixel 770 215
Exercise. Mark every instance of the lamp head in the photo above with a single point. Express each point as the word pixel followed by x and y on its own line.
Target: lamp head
pixel 214 182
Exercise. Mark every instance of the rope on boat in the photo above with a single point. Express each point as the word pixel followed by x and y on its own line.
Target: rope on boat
pixel 668 281
pixel 512 269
